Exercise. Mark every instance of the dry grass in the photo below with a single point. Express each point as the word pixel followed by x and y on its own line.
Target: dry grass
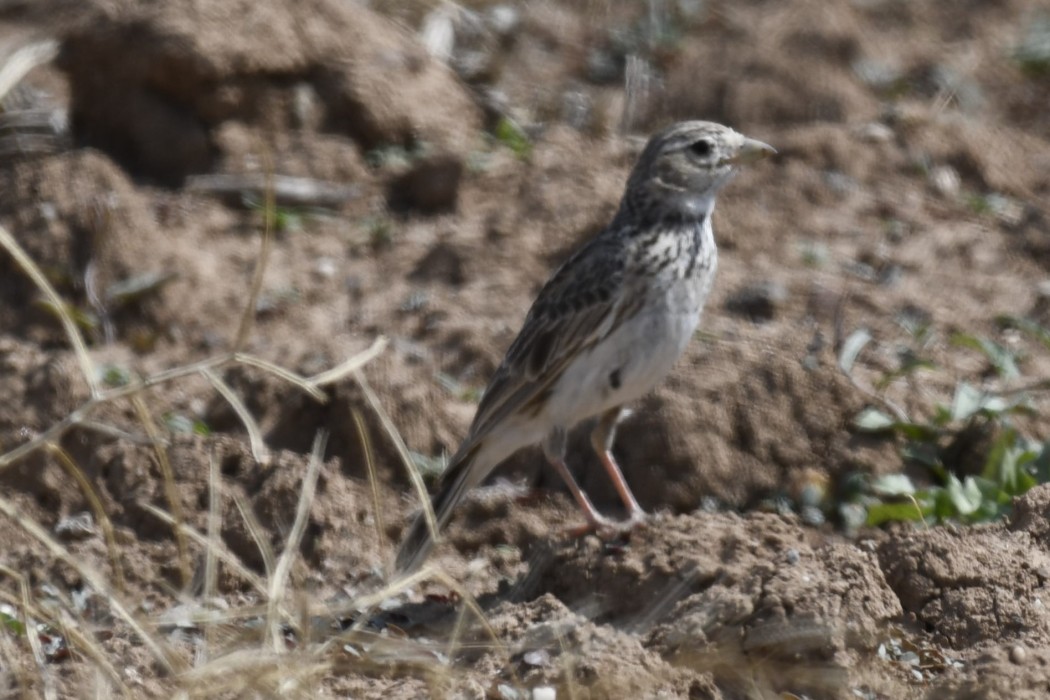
pixel 288 660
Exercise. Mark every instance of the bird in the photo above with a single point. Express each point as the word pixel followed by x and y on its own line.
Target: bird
pixel 606 327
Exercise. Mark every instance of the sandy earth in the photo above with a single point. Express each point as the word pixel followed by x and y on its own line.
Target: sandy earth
pixel 911 182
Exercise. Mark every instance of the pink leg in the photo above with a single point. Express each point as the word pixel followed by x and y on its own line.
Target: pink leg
pixel 595 520
pixel 602 440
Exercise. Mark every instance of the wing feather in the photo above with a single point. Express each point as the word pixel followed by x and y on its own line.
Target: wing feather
pixel 576 308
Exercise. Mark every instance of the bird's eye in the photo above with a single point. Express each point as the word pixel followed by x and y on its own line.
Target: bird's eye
pixel 700 148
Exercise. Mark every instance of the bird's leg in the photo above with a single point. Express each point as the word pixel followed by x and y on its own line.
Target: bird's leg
pixel 602 440
pixel 554 450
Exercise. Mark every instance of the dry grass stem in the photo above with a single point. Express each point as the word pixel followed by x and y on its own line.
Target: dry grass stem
pixel 26 58
pixel 279 580
pixel 265 246
pixel 402 451
pixel 211 569
pixel 255 529
pixel 29 624
pixel 282 373
pixel 351 365
pixel 32 270
pixel 72 469
pixel 373 477
pixel 259 451
pixel 170 492
pixel 220 550
pixel 80 415
pixel 169 662
pixel 79 643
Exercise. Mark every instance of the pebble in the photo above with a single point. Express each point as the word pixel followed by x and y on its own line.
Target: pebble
pixel 945 180
pixel 875 132
pixel 1018 654
pixel 504 19
pixel 758 302
pixel 539 657
pixel 326 267
pixel 430 186
pixel 544 692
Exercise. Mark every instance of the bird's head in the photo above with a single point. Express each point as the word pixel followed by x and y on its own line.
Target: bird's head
pixel 684 166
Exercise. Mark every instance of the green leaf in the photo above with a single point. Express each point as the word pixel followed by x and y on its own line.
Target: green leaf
pixel 967 401
pixel 965 495
pixel 1002 359
pixel 917 431
pixel 513 137
pixel 893 485
pixel 904 511
pixel 923 453
pixel 872 420
pixel 179 423
pixel 115 376
pixel 909 366
pixel 998 458
pixel 82 318
pixel 852 347
pixel 943 507
pixel 12 623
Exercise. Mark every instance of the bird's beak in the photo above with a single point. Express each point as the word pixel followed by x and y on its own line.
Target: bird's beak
pixel 750 151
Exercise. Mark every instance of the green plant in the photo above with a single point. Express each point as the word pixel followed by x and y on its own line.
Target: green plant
pixel 1033 53
pixel 976 457
pixel 511 135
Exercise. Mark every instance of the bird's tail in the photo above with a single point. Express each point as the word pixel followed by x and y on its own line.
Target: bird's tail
pixel 461 475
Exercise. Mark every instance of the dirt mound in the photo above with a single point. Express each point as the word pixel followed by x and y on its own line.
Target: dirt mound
pixel 90 229
pixel 329 66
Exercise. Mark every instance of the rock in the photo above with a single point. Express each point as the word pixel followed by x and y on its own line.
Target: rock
pixel 1018 654
pixel 875 132
pixel 430 186
pixel 504 20
pixel 945 180
pixel 757 302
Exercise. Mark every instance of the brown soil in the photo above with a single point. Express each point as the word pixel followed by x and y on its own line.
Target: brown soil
pixel 894 122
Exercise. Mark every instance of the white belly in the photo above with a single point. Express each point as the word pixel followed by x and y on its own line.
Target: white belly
pixel 629 362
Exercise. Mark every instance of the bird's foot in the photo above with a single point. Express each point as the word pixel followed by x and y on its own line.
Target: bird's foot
pixel 607 529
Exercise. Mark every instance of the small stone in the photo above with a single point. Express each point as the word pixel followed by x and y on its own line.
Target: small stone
pixel 76 527
pixel 792 556
pixel 758 302
pixel 840 183
pixel 431 186
pixel 504 19
pixel 945 180
pixel 508 692
pixel 326 267
pixel 875 132
pixel 544 692
pixel 307 112
pixel 1018 654
pixel 812 515
pixel 877 74
pixel 539 657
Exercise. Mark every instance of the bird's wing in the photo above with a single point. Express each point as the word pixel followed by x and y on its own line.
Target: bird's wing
pixel 578 307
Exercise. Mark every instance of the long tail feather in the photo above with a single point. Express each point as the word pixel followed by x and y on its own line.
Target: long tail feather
pixel 462 474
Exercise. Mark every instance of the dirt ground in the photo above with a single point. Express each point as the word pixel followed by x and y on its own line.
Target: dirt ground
pixel 465 150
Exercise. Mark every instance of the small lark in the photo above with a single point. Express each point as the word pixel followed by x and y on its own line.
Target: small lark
pixel 606 327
